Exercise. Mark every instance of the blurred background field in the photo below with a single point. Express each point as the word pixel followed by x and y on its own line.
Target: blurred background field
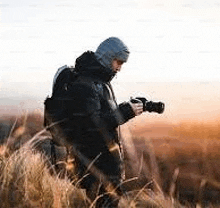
pixel 167 165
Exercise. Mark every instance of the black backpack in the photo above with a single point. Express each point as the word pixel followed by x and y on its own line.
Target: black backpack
pixel 54 106
pixel 64 77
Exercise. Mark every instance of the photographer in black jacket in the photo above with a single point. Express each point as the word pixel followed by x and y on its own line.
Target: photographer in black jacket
pixel 88 118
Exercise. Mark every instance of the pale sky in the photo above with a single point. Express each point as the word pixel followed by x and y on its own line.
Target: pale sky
pixel 169 40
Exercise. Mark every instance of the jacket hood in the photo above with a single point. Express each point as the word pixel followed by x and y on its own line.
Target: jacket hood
pixel 87 65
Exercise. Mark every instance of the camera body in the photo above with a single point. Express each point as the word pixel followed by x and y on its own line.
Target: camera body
pixel 149 106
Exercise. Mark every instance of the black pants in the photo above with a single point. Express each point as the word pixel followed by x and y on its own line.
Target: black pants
pixel 100 173
pixel 99 170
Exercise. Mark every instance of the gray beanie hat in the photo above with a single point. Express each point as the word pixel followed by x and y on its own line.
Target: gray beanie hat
pixel 110 49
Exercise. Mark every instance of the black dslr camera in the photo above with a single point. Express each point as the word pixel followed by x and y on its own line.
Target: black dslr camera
pixel 149 106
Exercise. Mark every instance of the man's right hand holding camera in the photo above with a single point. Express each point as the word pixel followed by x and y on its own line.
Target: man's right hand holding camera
pixel 137 107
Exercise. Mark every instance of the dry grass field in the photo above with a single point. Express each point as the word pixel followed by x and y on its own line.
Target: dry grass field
pixel 166 166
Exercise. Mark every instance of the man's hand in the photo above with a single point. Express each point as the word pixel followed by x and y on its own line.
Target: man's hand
pixel 137 108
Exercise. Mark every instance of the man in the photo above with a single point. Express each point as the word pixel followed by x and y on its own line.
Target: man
pixel 85 116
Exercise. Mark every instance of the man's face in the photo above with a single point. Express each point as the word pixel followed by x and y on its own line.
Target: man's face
pixel 116 65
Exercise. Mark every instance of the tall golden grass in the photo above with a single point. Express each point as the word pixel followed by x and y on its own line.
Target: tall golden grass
pixel 186 162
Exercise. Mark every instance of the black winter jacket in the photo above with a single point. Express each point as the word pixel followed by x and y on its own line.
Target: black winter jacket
pixel 90 109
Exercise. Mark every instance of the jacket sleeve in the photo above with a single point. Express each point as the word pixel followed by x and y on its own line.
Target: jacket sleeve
pixel 111 118
pixel 114 115
pixel 104 113
pixel 126 112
